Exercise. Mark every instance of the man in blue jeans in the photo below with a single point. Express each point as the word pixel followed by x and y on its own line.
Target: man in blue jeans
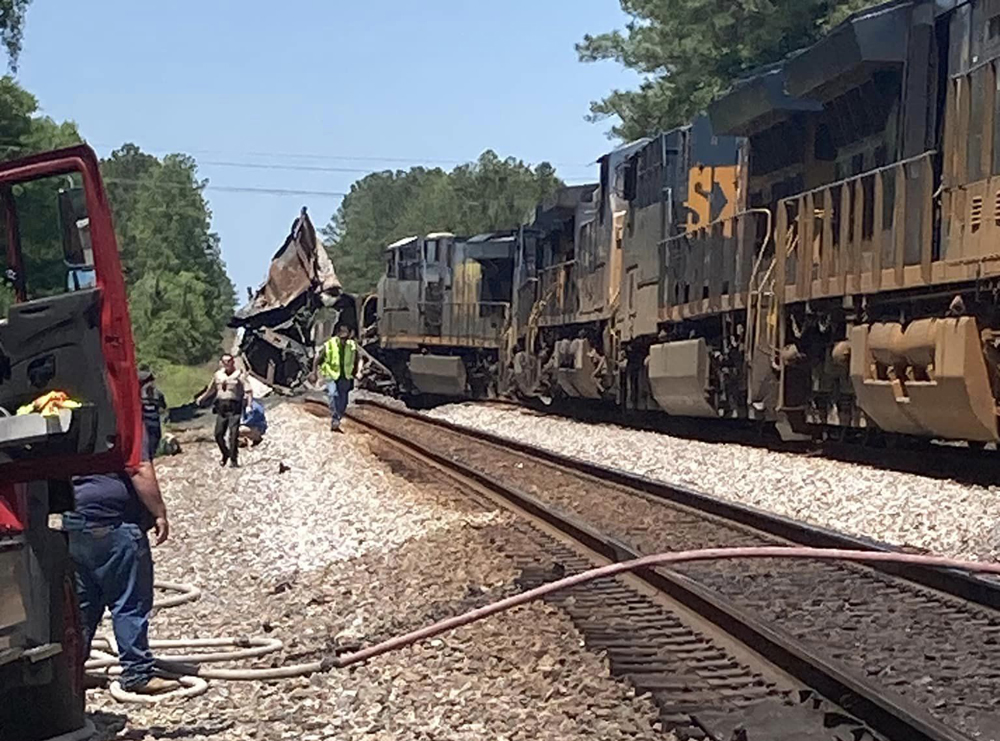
pixel 337 361
pixel 114 566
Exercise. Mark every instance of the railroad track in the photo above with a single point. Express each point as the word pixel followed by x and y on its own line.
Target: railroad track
pixel 919 642
pixel 706 684
pixel 970 465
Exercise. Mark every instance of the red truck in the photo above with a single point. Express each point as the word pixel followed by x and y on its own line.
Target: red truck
pixel 64 326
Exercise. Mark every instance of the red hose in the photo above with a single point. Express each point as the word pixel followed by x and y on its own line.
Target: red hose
pixel 707 554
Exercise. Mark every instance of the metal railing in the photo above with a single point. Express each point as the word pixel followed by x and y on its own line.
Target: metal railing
pixel 711 267
pixel 858 234
pixel 559 285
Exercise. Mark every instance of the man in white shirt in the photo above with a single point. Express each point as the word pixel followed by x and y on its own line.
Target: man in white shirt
pixel 232 394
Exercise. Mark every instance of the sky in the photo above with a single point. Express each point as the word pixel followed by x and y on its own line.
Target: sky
pixel 349 87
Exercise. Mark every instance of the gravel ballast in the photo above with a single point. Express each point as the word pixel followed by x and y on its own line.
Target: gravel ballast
pixel 320 543
pixel 942 516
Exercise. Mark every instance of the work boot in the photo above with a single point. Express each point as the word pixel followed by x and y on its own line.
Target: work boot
pixel 92 682
pixel 155 686
pixel 225 459
pixel 234 464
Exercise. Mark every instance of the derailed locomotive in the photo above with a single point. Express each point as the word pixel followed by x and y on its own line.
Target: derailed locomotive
pixel 820 251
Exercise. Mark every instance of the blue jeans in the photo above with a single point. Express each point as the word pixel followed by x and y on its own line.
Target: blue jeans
pixel 114 569
pixel 337 392
pixel 153 436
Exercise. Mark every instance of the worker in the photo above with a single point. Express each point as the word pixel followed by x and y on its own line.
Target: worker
pixel 232 394
pixel 114 566
pixel 253 425
pixel 153 405
pixel 337 361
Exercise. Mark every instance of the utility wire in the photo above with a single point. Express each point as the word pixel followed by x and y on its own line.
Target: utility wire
pixel 414 161
pixel 228 188
pixel 298 168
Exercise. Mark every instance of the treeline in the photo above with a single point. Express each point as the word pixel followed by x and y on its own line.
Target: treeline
pixel 690 51
pixel 487 195
pixel 179 294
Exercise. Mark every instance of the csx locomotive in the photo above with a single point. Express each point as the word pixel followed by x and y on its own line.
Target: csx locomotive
pixel 821 251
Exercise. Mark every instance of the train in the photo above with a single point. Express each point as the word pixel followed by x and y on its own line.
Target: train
pixel 819 252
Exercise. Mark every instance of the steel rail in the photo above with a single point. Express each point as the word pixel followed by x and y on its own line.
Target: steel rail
pixel 975 589
pixel 882 709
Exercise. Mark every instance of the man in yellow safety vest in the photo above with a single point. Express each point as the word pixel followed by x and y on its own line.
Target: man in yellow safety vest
pixel 337 361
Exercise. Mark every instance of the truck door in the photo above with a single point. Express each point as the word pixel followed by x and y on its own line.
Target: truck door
pixel 64 324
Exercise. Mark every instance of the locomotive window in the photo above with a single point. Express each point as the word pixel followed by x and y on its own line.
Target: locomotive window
pixel 409 262
pixel 431 250
pixel 993 28
pixel 390 264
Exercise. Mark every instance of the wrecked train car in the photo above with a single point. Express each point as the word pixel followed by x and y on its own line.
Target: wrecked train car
pixel 278 325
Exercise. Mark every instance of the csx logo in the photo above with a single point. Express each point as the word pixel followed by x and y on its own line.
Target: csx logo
pixel 711 195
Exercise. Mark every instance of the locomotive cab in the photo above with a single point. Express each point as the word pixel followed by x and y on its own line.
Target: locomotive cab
pixel 443 307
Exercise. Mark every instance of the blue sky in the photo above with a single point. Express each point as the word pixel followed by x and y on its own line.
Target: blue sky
pixel 332 84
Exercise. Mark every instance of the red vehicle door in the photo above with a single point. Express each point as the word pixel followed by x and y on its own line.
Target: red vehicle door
pixel 64 323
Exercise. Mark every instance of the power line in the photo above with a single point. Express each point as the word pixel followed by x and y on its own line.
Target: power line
pixel 413 161
pixel 298 168
pixel 230 188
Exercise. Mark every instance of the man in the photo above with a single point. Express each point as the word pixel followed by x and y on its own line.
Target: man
pixel 114 566
pixel 153 405
pixel 337 361
pixel 254 424
pixel 232 393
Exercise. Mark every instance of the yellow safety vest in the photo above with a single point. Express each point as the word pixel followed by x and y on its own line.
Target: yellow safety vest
pixel 332 362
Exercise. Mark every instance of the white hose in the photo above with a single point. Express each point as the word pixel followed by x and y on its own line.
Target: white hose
pixel 186 667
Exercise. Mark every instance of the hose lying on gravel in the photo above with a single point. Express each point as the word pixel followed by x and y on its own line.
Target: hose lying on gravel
pixel 187 667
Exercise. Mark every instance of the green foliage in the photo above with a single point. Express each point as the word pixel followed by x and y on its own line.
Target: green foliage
pixel 180 383
pixel 23 132
pixel 179 293
pixel 487 195
pixel 12 14
pixel 690 51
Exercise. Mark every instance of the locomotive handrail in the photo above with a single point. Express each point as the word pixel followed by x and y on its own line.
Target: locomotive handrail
pixel 859 234
pixel 861 175
pixel 565 263
pixel 711 224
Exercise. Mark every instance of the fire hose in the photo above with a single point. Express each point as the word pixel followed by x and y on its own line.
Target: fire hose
pixel 189 670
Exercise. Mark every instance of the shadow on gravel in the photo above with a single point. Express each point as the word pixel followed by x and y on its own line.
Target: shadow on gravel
pixel 110 726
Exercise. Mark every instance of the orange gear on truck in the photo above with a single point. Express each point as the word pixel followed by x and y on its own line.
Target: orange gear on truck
pixel 49 404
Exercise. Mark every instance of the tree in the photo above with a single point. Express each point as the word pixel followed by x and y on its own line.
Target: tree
pixel 12 13
pixel 690 51
pixel 23 132
pixel 488 195
pixel 180 295
pixel 181 298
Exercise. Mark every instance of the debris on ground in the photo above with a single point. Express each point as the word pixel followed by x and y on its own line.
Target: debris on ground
pixel 279 322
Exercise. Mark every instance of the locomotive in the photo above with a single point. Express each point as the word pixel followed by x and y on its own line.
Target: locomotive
pixel 819 251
